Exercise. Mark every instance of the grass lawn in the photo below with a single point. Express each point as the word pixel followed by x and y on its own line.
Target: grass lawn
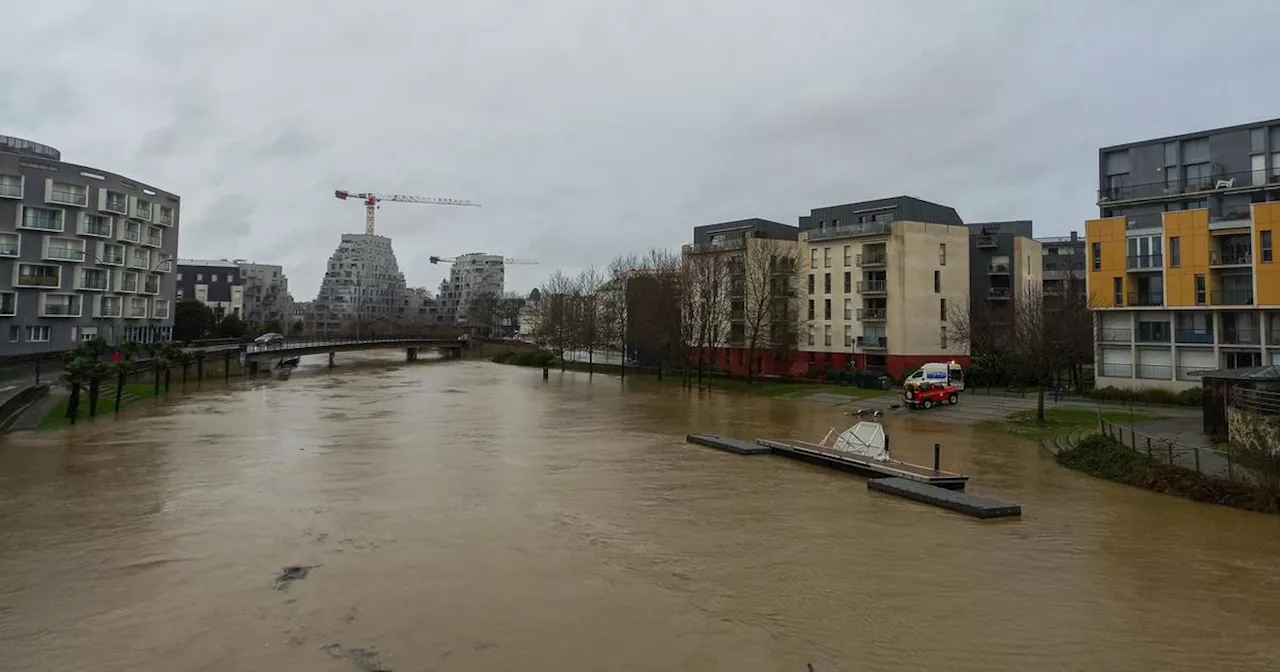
pixel 1060 420
pixel 770 388
pixel 56 419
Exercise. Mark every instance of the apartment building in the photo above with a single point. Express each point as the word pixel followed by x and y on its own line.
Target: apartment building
pixel 1064 265
pixel 214 282
pixel 741 243
pixel 266 294
pixel 1182 268
pixel 881 278
pixel 363 283
pixel 471 275
pixel 84 253
pixel 1004 263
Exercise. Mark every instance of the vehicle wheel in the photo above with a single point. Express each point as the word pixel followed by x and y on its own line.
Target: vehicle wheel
pixel 927 404
pixel 953 399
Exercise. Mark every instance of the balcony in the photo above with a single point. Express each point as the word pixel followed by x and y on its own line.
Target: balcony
pixel 115 203
pixel 716 246
pixel 137 309
pixel 128 282
pixel 872 287
pixel 152 239
pixel 1145 262
pixel 141 210
pixel 95 225
pixel 1231 297
pixel 873 342
pixel 11 186
pixel 1240 337
pixel 1145 299
pixel 109 306
pixel 112 255
pixel 1000 293
pixel 1144 221
pixel 131 233
pixel 1231 217
pixel 63 252
pixel 67 194
pixel 42 277
pixel 870 260
pixel 846 231
pixel 986 242
pixel 165 218
pixel 1220 182
pixel 93 279
pixel 161 310
pixel 1115 335
pixel 872 314
pixel 1191 337
pixel 999 268
pixel 9 244
pixel 41 219
pixel 1236 256
pixel 151 285
pixel 60 306
pixel 141 262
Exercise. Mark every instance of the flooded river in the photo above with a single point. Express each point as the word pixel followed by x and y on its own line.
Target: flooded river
pixel 470 516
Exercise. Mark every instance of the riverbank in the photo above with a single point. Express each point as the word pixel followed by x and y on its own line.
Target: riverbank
pixel 1106 458
pixel 55 416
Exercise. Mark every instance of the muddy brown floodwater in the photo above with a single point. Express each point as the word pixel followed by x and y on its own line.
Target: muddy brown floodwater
pixel 470 516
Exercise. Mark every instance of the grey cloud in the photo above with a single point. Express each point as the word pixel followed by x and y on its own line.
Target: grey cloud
pixel 590 129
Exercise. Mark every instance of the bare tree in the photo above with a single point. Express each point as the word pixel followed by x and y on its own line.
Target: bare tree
pixel 508 314
pixel 586 323
pixel 550 315
pixel 483 312
pixel 707 304
pixel 614 300
pixel 770 272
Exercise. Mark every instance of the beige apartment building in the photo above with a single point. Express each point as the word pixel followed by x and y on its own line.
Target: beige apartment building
pixel 879 285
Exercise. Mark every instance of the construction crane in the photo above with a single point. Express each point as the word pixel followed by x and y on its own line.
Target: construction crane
pixel 371 201
pixel 505 261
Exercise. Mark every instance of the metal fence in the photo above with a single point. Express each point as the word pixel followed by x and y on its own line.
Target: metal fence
pixel 1206 460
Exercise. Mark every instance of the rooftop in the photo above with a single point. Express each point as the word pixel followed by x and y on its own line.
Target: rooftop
pixel 1191 135
pixel 216 263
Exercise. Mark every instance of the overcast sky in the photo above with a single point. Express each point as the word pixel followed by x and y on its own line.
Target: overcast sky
pixel 588 128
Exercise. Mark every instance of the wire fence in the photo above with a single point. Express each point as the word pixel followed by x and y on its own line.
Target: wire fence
pixel 1216 462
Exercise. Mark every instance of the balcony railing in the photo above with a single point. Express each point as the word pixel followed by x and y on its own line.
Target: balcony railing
pixel 109 309
pixel 143 212
pixel 61 309
pixel 153 240
pixel 1145 262
pixel 97 227
pixel 1155 371
pixel 64 253
pixel 999 268
pixel 1116 370
pixel 161 311
pixel 872 314
pixel 39 280
pixel 132 236
pixel 42 221
pixel 1231 216
pixel 117 206
pixel 96 281
pixel 11 190
pixel 873 342
pixel 872 286
pixel 110 258
pixel 1231 297
pixel 846 231
pixel 987 241
pixel 1115 335
pixel 716 246
pixel 1144 220
pixel 139 262
pixel 1246 180
pixel 865 260
pixel 66 197
pixel 1236 256
pixel 1145 299
pixel 1193 337
pixel 8 249
pixel 150 287
pixel 1240 337
pixel 138 310
pixel 1154 335
pixel 165 218
pixel 1000 293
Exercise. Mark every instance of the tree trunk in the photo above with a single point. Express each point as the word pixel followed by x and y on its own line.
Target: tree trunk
pixel 166 380
pixel 119 390
pixel 184 374
pixel 1040 402
pixel 73 405
pixel 199 370
pixel 155 380
pixel 95 386
pixel 591 361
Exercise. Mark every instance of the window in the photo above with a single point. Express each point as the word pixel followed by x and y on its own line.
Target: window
pixel 179 277
pixel 88 333
pixel 1200 290
pixel 199 277
pixel 826 335
pixel 848 282
pixel 15 334
pixel 826 283
pixel 213 277
pixel 1175 252
pixel 943 340
pixel 943 312
pixel 813 258
pixel 1117 291
pixel 1264 246
pixel 848 335
pixel 848 309
pixel 811 309
pixel 37 334
pixel 937 282
pixel 826 257
pixel 847 257
pixel 810 335
pixel 810 283
pixel 942 254
pixel 1096 250
pixel 826 309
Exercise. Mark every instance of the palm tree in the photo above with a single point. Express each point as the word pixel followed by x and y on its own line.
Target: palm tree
pixel 75 373
pixel 168 354
pixel 97 372
pixel 121 369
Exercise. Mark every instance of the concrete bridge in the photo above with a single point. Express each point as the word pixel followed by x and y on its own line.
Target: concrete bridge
pixel 256 353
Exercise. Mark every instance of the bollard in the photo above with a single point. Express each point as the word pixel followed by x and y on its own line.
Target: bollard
pixel 546 372
pixel 1197 460
pixel 937 457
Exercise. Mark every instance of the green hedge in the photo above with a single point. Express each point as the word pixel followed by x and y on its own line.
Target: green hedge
pixel 1189 397
pixel 1104 457
pixel 536 358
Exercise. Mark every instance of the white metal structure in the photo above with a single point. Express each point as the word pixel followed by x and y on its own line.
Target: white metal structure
pixel 865 439
pixel 371 201
pixel 506 260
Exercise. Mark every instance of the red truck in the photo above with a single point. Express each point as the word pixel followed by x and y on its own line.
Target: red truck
pixel 928 395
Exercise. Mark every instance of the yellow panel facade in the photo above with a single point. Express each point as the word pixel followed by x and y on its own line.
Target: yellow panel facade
pixel 1109 233
pixel 1266 217
pixel 1191 228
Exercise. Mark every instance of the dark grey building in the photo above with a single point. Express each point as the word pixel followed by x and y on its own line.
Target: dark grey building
pixel 217 283
pixel 992 258
pixel 266 294
pixel 1223 169
pixel 84 253
pixel 896 209
pixel 710 236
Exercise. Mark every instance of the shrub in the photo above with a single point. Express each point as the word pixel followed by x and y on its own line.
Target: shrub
pixel 1190 397
pixel 504 357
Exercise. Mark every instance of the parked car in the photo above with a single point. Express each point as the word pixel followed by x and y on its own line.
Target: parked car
pixel 269 338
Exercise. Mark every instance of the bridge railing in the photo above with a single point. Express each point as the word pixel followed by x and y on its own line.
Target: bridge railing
pixel 298 344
